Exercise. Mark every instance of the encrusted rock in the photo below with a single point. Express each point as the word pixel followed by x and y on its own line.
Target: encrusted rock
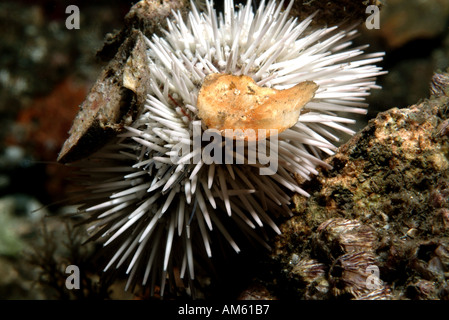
pixel 377 223
pixel 228 102
pixel 111 103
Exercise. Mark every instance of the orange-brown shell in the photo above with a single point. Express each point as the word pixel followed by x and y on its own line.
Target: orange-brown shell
pixel 237 102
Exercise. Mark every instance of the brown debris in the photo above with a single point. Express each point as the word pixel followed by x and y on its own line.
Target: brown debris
pixel 333 12
pixel 237 102
pixel 113 101
pixel 377 223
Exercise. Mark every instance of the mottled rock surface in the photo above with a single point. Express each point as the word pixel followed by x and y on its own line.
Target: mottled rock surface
pixel 376 225
pixel 383 190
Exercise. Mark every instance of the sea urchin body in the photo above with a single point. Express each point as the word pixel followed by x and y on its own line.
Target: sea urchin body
pixel 159 189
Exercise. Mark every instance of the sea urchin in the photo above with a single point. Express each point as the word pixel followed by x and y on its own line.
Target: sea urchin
pixel 155 192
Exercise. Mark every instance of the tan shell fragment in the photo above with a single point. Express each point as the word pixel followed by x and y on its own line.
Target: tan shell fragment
pixel 116 97
pixel 237 102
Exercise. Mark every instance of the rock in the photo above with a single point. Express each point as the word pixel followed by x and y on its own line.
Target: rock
pixel 380 214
